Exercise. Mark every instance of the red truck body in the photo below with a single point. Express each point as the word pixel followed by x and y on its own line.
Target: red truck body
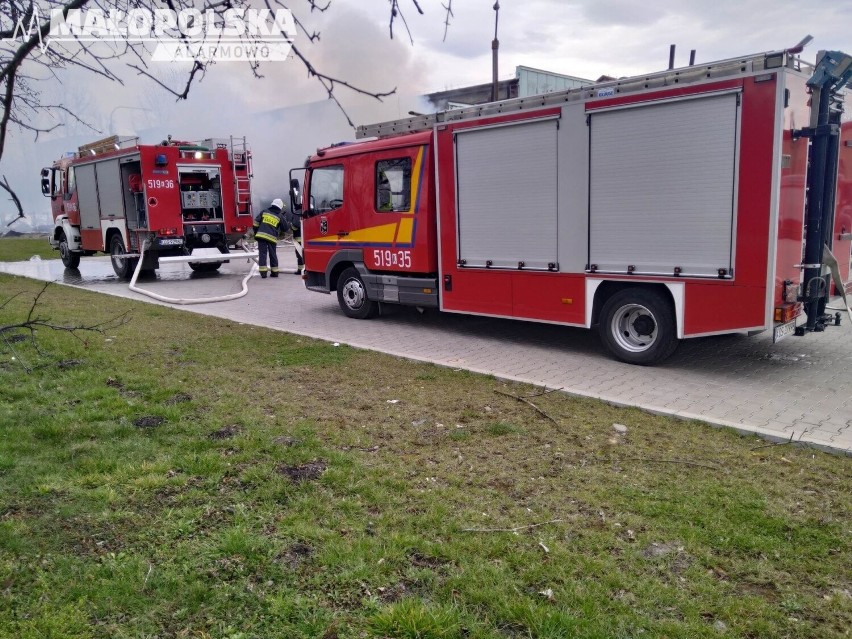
pixel 658 208
pixel 113 195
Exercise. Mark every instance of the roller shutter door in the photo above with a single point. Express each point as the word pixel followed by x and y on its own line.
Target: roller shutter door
pixel 506 185
pixel 662 186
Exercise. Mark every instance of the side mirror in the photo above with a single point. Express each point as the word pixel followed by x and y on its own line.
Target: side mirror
pixel 45 183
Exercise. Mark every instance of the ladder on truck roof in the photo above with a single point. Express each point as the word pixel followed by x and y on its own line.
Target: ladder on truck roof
pixel 241 165
pixel 611 88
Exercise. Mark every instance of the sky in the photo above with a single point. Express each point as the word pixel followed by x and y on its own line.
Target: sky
pixel 286 114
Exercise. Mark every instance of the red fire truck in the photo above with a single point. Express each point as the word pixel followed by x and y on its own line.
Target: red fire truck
pixel 690 202
pixel 115 194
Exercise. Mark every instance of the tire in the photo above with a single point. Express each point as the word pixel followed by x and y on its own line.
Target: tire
pixel 205 267
pixel 352 296
pixel 123 266
pixel 208 267
pixel 637 325
pixel 69 258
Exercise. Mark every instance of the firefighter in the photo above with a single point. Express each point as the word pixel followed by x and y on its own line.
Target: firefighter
pixel 269 225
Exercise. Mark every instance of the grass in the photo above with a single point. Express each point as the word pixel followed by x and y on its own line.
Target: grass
pixel 185 476
pixel 17 249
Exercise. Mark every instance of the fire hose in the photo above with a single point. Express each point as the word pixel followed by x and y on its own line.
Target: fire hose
pixel 197 300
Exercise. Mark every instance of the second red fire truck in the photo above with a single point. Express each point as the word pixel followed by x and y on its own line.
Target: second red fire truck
pixel 691 202
pixel 120 197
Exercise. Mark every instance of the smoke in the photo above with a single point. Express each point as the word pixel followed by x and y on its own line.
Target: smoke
pixel 284 115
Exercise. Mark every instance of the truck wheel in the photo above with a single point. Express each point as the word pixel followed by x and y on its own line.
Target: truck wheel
pixel 123 266
pixel 69 259
pixel 352 296
pixel 205 267
pixel 637 325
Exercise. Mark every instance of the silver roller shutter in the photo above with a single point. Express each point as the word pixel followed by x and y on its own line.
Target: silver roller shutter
pixel 87 196
pixel 110 191
pixel 662 185
pixel 506 183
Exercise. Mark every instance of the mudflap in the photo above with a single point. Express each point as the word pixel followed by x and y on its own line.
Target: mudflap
pixel 150 261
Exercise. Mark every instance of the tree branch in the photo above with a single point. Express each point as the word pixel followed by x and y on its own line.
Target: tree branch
pixel 5 184
pixel 33 322
pixel 449 8
pixel 529 403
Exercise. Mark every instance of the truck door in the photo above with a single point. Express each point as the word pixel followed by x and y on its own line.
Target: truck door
pixel 69 197
pixel 326 222
pixel 394 230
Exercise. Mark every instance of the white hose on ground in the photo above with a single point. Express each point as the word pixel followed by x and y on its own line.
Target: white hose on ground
pixel 197 300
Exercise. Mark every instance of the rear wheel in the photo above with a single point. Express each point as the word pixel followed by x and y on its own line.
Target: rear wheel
pixel 208 267
pixel 69 258
pixel 123 266
pixel 638 326
pixel 352 296
pixel 205 267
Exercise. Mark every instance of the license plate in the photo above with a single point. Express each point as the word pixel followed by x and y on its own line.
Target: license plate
pixel 176 241
pixel 783 330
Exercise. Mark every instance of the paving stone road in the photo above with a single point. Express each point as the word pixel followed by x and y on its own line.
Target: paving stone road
pixel 799 388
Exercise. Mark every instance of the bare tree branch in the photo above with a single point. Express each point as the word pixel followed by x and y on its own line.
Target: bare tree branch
pixel 396 11
pixel 5 184
pixel 33 322
pixel 196 67
pixel 449 9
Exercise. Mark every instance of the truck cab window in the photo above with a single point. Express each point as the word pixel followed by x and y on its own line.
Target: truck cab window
pixel 70 184
pixel 58 182
pixel 326 189
pixel 393 185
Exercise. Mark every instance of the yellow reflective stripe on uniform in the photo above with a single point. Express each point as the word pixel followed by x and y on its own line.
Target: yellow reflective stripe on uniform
pixel 267 237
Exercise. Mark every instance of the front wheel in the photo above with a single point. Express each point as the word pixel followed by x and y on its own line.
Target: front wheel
pixel 123 266
pixel 352 296
pixel 637 325
pixel 69 258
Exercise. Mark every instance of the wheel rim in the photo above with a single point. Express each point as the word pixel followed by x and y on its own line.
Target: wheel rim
pixel 63 251
pixel 354 294
pixel 634 328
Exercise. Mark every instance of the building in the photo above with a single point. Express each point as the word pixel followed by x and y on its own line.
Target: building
pixel 527 81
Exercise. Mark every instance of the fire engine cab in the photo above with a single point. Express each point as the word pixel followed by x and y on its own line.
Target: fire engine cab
pixel 174 198
pixel 696 201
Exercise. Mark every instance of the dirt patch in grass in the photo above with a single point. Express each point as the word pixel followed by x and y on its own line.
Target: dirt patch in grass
pixel 149 421
pixel 422 561
pixel 296 555
pixel 227 432
pixel 180 398
pixel 65 364
pixel 391 594
pixel 286 440
pixel 310 471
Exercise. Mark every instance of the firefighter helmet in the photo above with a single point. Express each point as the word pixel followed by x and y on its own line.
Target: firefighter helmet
pixel 278 202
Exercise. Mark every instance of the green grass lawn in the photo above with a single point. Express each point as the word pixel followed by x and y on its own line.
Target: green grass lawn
pixel 185 476
pixel 17 249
